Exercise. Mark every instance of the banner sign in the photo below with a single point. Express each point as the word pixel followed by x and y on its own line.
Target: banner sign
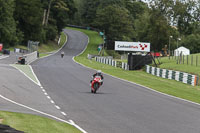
pixel 132 46
pixel 1 46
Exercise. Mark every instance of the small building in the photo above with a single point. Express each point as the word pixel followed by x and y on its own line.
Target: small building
pixel 181 50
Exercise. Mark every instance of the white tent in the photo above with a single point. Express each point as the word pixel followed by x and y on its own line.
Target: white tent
pixel 181 50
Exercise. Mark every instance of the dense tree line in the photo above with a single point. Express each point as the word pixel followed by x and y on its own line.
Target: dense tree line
pixel 158 21
pixel 37 20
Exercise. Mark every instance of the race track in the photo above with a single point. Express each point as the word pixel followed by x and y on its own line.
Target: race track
pixel 119 106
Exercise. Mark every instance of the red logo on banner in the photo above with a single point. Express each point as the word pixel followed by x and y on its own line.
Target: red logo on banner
pixel 143 47
pixel 1 47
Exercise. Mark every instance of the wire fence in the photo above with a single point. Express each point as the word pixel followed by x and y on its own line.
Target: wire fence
pixel 193 60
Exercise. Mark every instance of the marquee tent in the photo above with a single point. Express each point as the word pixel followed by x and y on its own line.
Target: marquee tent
pixel 181 50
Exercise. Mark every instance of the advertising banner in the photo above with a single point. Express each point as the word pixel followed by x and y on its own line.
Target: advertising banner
pixel 132 46
pixel 1 46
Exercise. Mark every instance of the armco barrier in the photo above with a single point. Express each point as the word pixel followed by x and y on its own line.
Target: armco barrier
pixel 175 75
pixel 112 62
pixel 30 57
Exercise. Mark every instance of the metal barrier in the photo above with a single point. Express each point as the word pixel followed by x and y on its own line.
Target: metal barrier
pixel 31 57
pixel 112 62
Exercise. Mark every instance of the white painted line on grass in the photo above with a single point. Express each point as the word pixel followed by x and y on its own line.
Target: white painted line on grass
pixel 35 75
pixel 57 107
pixel 24 74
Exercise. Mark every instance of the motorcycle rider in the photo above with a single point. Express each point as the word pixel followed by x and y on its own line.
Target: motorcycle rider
pixel 62 54
pixel 98 73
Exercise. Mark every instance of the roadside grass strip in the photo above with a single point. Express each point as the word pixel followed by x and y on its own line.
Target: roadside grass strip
pixel 36 124
pixel 27 71
pixel 166 86
pixel 46 50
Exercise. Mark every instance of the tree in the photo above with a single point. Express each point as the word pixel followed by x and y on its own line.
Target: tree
pixel 89 9
pixel 135 8
pixel 153 27
pixel 159 30
pixel 141 27
pixel 192 42
pixel 8 34
pixel 28 15
pixel 115 22
pixel 182 16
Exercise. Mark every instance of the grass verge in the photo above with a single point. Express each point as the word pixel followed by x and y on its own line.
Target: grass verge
pixel 51 47
pixel 27 71
pixel 46 49
pixel 167 86
pixel 172 64
pixel 35 124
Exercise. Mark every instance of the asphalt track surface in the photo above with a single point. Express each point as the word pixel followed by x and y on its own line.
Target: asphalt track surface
pixel 18 88
pixel 119 106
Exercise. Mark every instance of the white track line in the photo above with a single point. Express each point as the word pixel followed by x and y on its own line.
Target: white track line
pixel 57 107
pixel 73 123
pixel 35 75
pixel 49 115
pixel 24 74
pixel 141 85
pixel 39 84
pixel 35 110
pixel 64 113
pixel 135 83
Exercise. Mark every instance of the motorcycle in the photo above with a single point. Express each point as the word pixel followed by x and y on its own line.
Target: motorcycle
pixel 96 83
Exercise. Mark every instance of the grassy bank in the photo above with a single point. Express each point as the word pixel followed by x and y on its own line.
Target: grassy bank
pixel 172 64
pixel 46 49
pixel 35 124
pixel 171 87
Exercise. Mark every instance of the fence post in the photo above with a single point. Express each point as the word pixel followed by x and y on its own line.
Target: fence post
pixel 196 60
pixel 175 54
pixel 187 59
pixel 183 58
pixel 192 60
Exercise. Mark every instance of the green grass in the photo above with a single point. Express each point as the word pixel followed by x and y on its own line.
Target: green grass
pixel 94 39
pixel 172 64
pixel 46 49
pixel 27 70
pixel 35 124
pixel 167 86
pixel 18 46
pixel 43 54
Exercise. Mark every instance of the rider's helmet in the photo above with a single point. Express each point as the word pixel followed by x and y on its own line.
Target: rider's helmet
pixel 98 72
